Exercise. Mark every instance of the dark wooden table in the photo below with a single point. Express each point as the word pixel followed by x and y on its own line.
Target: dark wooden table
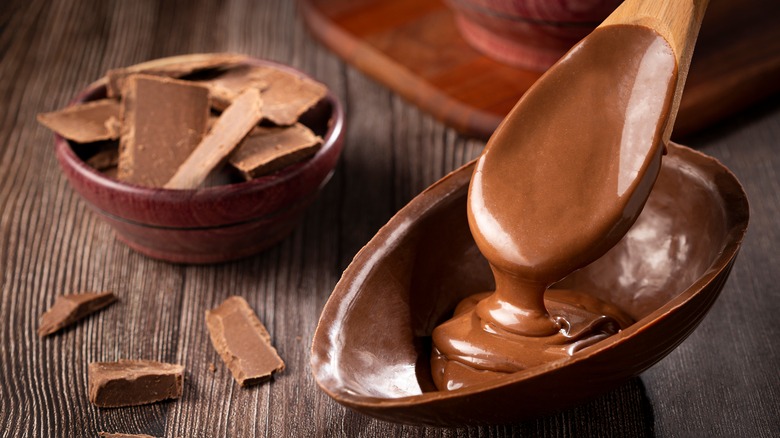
pixel 722 381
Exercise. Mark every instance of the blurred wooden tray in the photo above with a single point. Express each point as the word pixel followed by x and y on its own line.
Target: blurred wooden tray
pixel 414 48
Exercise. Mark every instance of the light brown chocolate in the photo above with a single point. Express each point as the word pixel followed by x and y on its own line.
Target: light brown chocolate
pixel 106 156
pixel 226 87
pixel 288 96
pixel 170 67
pixel 560 183
pixel 228 131
pixel 163 121
pixel 87 122
pixel 243 342
pixel 133 382
pixel 266 150
pixel 68 309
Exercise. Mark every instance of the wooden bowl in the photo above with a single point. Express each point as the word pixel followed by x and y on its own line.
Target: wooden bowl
pixel 213 224
pixel 371 350
pixel 530 34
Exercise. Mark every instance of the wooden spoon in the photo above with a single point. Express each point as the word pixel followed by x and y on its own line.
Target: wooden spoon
pixel 570 168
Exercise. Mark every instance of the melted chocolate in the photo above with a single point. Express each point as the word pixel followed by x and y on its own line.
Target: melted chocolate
pixel 559 184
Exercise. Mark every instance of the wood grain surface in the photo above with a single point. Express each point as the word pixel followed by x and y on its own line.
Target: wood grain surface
pixel 722 381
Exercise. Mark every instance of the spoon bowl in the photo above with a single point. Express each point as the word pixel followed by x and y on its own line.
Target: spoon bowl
pixel 371 350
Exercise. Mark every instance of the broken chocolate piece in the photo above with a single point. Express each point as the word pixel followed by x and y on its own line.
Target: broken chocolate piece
pixel 289 96
pixel 123 435
pixel 243 342
pixel 133 382
pixel 174 67
pixel 267 150
pixel 68 309
pixel 107 156
pixel 85 123
pixel 225 88
pixel 232 126
pixel 164 120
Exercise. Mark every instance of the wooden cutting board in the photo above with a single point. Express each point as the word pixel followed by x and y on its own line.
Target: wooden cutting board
pixel 414 48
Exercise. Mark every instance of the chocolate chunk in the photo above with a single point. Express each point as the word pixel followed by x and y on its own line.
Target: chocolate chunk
pixel 267 150
pixel 86 122
pixel 133 382
pixel 243 342
pixel 170 67
pixel 107 156
pixel 123 435
pixel 225 88
pixel 288 96
pixel 68 309
pixel 164 120
pixel 232 126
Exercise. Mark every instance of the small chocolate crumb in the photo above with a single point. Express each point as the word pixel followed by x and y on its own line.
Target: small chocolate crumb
pixel 133 382
pixel 212 368
pixel 243 342
pixel 68 309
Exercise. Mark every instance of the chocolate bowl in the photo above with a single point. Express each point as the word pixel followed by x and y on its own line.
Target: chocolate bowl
pixel 212 224
pixel 371 349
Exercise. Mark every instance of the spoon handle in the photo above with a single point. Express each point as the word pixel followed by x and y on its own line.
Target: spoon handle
pixel 678 22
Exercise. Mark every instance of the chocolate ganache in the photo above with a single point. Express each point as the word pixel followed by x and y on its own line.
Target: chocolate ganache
pixel 559 184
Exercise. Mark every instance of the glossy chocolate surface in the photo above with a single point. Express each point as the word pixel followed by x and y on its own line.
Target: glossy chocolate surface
pixel 560 183
pixel 371 350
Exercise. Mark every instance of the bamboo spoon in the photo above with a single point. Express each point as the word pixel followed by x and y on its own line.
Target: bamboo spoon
pixel 678 22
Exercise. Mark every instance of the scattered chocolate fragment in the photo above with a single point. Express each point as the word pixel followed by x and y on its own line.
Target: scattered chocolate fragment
pixel 86 122
pixel 232 126
pixel 267 150
pixel 68 309
pixel 170 67
pixel 243 342
pixel 133 382
pixel 164 120
pixel 123 435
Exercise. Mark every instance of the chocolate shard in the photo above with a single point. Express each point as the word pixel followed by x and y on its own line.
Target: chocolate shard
pixel 289 96
pixel 105 157
pixel 226 87
pixel 123 435
pixel 174 67
pixel 68 309
pixel 285 96
pixel 228 131
pixel 164 120
pixel 243 342
pixel 266 150
pixel 87 122
pixel 133 382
